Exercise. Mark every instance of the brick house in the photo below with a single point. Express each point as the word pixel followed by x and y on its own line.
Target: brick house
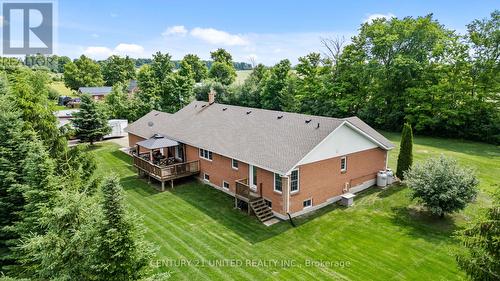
pixel 97 93
pixel 273 163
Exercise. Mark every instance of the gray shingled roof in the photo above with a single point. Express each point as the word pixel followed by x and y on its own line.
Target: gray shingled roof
pixel 93 91
pixel 157 141
pixel 259 138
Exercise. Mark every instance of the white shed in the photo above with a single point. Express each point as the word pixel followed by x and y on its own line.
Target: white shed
pixel 117 128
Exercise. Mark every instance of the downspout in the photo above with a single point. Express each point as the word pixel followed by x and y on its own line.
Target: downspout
pixel 386 159
pixel 288 202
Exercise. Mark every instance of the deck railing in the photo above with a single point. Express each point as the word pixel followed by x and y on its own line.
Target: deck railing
pixel 169 172
pixel 243 190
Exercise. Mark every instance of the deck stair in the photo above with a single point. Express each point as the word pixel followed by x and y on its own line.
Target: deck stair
pixel 261 209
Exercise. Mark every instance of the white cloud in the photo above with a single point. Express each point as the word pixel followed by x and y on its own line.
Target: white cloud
pixel 175 30
pixel 122 49
pixel 98 52
pixel 1 21
pixel 371 17
pixel 129 49
pixel 218 37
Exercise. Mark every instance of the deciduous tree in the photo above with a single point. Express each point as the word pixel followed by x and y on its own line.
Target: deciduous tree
pixel 441 185
pixel 118 70
pixel 83 72
pixel 197 67
pixel 222 69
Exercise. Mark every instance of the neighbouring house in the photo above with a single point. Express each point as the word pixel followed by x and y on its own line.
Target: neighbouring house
pixel 97 93
pixel 274 163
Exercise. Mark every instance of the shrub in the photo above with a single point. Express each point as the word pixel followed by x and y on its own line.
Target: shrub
pixel 405 157
pixel 441 185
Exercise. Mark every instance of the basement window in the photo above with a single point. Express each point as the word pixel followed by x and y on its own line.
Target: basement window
pixel 206 154
pixel 206 177
pixel 307 203
pixel 343 164
pixel 225 185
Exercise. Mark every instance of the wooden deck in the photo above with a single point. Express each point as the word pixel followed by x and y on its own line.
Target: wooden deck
pixel 169 172
pixel 244 192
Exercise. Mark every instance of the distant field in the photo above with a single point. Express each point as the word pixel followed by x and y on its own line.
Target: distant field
pixel 61 89
pixel 384 236
pixel 241 76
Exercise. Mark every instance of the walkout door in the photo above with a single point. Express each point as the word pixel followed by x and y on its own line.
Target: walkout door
pixel 252 177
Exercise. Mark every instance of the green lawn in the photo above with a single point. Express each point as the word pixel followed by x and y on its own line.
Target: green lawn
pixel 241 76
pixel 62 89
pixel 383 237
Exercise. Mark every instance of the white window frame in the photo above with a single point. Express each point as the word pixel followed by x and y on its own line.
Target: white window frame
pixel 237 164
pixel 274 183
pixel 307 207
pixel 343 159
pixel 208 156
pixel 298 181
pixel 205 177
pixel 225 182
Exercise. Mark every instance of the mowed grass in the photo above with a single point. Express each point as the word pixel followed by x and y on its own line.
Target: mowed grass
pixel 383 237
pixel 241 76
pixel 62 89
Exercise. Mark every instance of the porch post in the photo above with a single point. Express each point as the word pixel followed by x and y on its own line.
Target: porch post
pixel 162 186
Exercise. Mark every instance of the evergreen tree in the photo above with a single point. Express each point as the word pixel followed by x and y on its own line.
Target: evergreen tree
pixel 14 140
pixel 91 121
pixel 121 254
pixel 65 250
pixel 481 257
pixel 405 157
pixel 37 188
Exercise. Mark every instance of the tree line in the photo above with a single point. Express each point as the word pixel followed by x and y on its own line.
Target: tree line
pixel 394 71
pixel 60 219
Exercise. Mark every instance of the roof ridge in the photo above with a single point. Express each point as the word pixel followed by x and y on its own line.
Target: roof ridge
pixel 270 110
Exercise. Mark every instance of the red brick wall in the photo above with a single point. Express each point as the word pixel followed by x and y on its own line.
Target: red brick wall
pixel 220 169
pixel 323 179
pixel 266 178
pixel 319 180
pixel 133 139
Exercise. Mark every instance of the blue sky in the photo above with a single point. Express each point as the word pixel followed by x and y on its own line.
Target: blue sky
pixel 267 31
